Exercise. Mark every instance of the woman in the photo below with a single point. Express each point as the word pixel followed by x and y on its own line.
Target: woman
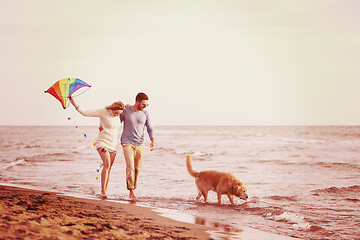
pixel 106 142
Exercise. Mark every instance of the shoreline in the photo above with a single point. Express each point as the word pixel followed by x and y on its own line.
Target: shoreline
pixel 35 214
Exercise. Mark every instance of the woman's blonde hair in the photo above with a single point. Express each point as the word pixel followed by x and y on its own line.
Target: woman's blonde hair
pixel 116 106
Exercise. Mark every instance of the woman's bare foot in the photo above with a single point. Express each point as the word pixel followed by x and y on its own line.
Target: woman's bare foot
pixel 132 196
pixel 103 195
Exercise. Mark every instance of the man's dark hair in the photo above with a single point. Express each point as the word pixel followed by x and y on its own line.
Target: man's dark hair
pixel 141 96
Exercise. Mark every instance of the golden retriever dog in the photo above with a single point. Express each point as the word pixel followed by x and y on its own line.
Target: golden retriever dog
pixel 220 182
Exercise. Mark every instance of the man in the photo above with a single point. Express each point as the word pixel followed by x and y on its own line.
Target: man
pixel 135 119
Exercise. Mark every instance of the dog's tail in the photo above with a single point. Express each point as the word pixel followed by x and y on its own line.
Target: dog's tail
pixel 189 166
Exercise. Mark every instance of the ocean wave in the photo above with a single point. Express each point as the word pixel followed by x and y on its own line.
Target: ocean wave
pixel 334 131
pixel 32 146
pixel 183 152
pixel 25 161
pixel 341 164
pixel 51 156
pixel 297 221
pixel 83 148
pixel 304 141
pixel 200 154
pixel 354 200
pixel 333 165
pixel 283 198
pixel 17 162
pixel 166 150
pixel 337 190
pixel 355 134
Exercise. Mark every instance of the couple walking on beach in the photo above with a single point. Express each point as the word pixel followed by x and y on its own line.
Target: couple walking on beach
pixel 135 119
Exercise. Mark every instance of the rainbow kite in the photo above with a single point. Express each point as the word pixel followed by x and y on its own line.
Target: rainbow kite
pixel 64 88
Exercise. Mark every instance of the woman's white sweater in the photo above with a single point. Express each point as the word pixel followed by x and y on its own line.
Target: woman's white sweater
pixel 109 136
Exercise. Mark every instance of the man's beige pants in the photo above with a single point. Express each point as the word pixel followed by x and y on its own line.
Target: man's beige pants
pixel 133 157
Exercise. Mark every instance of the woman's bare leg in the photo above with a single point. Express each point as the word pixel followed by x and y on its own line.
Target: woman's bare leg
pixel 105 157
pixel 112 159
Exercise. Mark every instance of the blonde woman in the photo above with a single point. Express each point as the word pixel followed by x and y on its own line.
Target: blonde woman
pixel 106 142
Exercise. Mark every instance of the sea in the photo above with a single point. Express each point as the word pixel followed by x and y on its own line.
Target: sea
pixel 303 181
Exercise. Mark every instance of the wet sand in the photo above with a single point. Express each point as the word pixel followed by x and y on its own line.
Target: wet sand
pixel 32 214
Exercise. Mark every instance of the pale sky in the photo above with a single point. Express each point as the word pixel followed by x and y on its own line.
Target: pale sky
pixel 281 62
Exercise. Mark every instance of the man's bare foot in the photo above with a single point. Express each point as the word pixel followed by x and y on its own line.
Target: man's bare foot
pixel 132 196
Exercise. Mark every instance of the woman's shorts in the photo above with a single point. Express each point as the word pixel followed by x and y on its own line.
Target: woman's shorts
pixel 104 149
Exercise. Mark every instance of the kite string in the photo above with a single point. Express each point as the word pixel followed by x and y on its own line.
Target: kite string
pixel 81 93
pixel 85 141
pixel 68 103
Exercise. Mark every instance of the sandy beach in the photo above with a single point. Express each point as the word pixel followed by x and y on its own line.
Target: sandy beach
pixel 32 214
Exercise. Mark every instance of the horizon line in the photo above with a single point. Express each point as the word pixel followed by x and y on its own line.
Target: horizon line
pixel 204 125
